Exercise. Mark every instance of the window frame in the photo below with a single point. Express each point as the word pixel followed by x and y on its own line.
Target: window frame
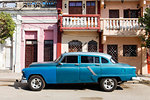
pixel 89 56
pixel 69 63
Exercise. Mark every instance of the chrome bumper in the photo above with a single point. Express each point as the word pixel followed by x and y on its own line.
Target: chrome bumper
pixel 136 78
pixel 23 80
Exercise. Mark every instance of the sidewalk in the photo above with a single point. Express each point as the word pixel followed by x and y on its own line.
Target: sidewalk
pixel 7 75
pixel 144 78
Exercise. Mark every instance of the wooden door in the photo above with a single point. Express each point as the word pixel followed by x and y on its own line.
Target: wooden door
pixel 90 7
pixel 48 50
pixel 30 52
pixel 75 7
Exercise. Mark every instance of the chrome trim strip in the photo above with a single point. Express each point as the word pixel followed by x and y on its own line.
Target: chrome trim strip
pixel 91 71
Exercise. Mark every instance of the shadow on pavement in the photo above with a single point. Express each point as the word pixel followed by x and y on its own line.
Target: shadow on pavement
pixel 18 85
pixel 95 87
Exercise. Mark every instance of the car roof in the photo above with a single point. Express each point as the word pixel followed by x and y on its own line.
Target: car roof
pixel 88 53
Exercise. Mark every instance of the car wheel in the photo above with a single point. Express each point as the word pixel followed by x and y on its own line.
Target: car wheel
pixel 108 84
pixel 36 83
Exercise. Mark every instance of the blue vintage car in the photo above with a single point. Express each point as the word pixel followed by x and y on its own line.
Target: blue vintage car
pixel 79 67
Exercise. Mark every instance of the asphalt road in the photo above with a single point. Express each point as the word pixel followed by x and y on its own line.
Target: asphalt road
pixel 128 91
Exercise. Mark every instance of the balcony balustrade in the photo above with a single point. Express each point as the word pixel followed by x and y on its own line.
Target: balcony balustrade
pixel 80 22
pixel 120 24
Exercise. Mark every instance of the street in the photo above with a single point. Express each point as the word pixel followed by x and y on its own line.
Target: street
pixel 128 91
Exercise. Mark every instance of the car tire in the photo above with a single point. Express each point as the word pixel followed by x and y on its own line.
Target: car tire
pixel 108 84
pixel 36 83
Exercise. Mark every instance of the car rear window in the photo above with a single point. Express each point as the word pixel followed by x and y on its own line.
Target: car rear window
pixel 103 60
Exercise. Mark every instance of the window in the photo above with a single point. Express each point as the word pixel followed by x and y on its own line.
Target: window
pixel 131 13
pixel 75 7
pixel 90 7
pixel 103 60
pixel 130 50
pixel 48 50
pixel 70 59
pixel 89 59
pixel 113 13
pixel 92 46
pixel 113 51
pixel 75 46
pixel 86 59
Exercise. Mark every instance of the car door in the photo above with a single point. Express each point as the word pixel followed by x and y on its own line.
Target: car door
pixel 89 67
pixel 68 70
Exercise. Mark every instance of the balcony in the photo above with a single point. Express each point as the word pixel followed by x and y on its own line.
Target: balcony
pixel 120 26
pixel 77 22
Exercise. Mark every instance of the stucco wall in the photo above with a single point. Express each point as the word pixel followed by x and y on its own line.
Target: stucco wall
pixel 41 32
pixel 6 55
pixel 118 5
pixel 120 41
pixel 83 36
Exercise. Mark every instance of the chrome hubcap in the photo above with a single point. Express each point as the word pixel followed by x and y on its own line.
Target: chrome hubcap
pixel 109 84
pixel 36 83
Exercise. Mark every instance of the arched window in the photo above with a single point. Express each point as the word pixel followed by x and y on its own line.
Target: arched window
pixel 75 46
pixel 92 46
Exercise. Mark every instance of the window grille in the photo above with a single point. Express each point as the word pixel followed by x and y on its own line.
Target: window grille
pixel 130 50
pixel 92 46
pixel 113 51
pixel 75 46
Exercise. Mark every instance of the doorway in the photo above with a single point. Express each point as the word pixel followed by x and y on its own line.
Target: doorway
pixel 30 52
pixel 90 7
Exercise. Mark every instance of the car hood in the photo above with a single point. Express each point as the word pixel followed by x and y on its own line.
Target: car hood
pixel 43 64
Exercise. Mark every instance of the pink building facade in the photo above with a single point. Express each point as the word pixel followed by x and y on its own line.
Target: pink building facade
pixel 38 39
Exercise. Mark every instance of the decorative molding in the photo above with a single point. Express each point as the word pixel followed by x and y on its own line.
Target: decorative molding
pixel 40 21
pixel 38 34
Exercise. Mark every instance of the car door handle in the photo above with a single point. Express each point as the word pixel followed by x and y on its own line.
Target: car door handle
pixel 97 64
pixel 77 64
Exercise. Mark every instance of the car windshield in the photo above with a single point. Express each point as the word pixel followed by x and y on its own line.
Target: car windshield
pixel 58 58
pixel 113 60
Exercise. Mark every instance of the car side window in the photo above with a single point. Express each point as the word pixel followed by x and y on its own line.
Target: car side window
pixel 86 59
pixel 70 59
pixel 89 59
pixel 96 59
pixel 103 60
